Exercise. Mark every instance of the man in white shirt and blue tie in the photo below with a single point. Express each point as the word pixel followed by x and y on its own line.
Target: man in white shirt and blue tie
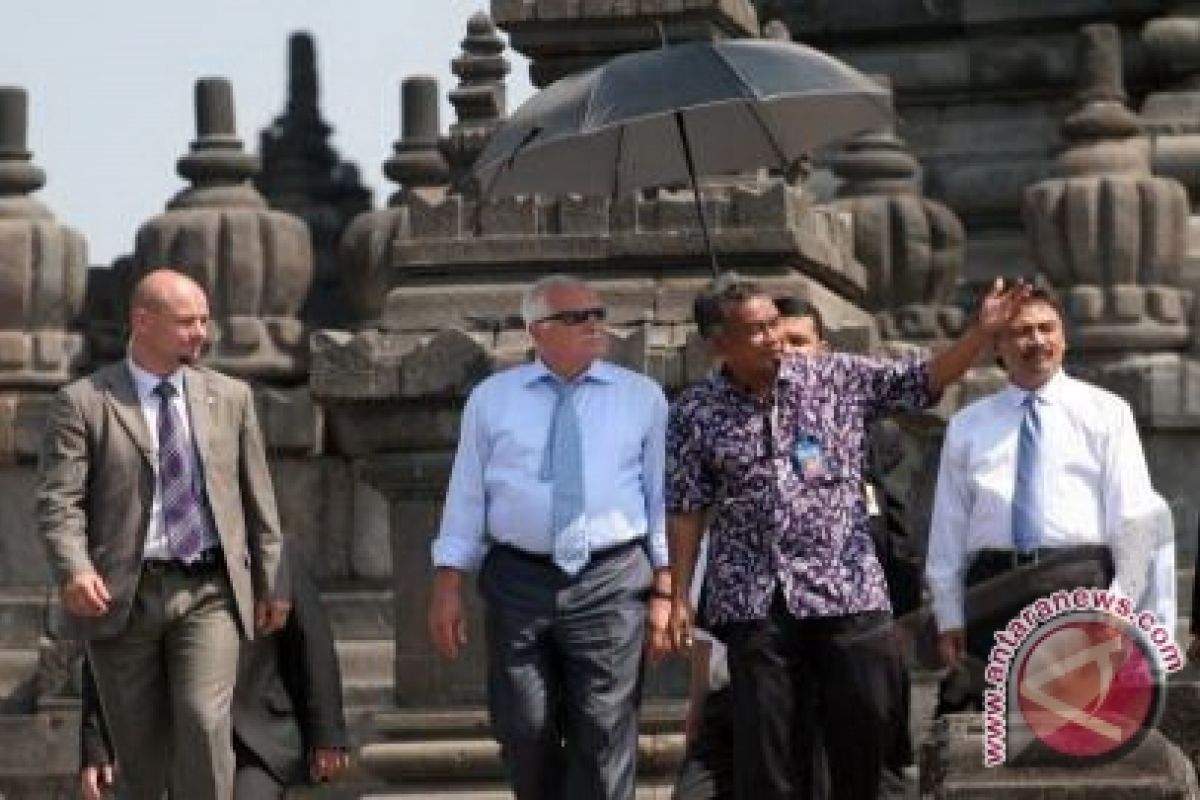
pixel 1048 466
pixel 556 498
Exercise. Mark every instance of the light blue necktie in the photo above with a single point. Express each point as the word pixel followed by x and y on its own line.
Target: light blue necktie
pixel 562 463
pixel 1028 491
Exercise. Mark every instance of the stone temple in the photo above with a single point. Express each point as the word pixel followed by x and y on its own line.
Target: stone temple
pixel 1056 140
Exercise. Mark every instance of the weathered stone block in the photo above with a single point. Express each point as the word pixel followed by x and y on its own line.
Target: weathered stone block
pixel 356 366
pixel 509 216
pixel 363 429
pixel 316 510
pixel 38 746
pixel 431 308
pixel 15 350
pixel 630 349
pixel 1085 303
pixel 1128 303
pixel 507 11
pixel 22 422
pixel 291 422
pixel 1181 712
pixel 241 334
pixel 582 215
pixel 771 205
pixel 677 212
pixel 917 322
pixel 448 364
pixel 286 332
pixel 1155 768
pixel 1166 304
pixel 557 9
pixel 595 8
pixel 371 545
pixel 517 340
pixel 951 319
pixel 628 301
pixel 50 348
pixel 437 219
pixel 415 486
pixel 22 554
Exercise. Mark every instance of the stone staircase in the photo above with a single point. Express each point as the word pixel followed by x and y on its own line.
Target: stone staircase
pixel 451 754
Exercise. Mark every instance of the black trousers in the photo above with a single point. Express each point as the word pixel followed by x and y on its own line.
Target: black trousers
pixel 564 671
pixel 1064 568
pixel 845 668
pixel 707 769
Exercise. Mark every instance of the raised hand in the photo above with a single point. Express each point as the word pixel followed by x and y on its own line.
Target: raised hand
pixel 1000 304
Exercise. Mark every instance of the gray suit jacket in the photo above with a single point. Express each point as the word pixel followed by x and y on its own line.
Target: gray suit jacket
pixel 96 486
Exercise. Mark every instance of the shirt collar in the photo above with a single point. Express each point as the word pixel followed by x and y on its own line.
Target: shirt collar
pixel 599 372
pixel 1049 392
pixel 146 382
pixel 788 372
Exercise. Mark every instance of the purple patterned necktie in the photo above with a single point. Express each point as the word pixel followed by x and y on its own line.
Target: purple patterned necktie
pixel 182 514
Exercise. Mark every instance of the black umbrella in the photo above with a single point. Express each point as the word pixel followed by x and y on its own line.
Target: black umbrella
pixel 659 117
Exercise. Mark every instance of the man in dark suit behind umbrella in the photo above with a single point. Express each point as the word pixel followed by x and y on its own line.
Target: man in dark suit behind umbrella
pixel 288 723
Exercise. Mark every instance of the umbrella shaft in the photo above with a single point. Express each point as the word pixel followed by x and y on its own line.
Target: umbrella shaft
pixel 691 168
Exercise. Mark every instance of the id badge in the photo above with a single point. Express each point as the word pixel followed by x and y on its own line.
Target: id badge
pixel 807 457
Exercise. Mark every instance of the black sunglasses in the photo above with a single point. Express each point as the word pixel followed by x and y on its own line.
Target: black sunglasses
pixel 577 316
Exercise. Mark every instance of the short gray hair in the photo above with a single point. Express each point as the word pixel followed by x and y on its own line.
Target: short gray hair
pixel 711 304
pixel 533 300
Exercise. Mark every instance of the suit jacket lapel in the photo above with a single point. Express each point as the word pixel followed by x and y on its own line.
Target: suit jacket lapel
pixel 122 395
pixel 200 401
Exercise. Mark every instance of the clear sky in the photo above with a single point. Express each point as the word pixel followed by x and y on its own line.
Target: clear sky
pixel 111 88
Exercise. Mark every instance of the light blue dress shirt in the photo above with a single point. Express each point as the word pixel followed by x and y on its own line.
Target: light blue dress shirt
pixel 496 495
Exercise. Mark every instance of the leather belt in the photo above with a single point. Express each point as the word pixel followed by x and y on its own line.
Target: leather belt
pixel 1012 559
pixel 208 561
pixel 545 559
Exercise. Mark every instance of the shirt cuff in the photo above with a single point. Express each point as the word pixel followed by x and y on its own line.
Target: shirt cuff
pixel 456 556
pixel 657 549
pixel 948 611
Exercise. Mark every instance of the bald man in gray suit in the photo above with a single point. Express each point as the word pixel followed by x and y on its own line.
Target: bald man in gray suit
pixel 159 518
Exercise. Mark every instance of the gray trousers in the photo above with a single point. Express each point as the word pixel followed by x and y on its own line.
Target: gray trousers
pixel 564 671
pixel 166 687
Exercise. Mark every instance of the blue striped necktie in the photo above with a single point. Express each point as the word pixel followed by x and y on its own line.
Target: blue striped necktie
pixel 182 513
pixel 562 464
pixel 1028 508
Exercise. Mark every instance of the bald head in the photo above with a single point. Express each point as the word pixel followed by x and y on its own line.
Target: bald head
pixel 156 289
pixel 168 317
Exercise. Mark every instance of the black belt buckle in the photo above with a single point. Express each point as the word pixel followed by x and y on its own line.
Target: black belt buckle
pixel 1025 559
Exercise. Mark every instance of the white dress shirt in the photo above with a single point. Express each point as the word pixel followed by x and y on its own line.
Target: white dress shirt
pixel 145 383
pixel 1098 492
pixel 495 494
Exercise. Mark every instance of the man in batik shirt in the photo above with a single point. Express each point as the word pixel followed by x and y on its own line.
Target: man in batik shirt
pixel 772 450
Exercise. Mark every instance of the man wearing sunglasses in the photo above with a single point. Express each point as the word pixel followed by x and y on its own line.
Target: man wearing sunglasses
pixel 556 498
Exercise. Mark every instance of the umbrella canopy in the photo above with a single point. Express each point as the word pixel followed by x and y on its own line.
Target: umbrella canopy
pixel 658 117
